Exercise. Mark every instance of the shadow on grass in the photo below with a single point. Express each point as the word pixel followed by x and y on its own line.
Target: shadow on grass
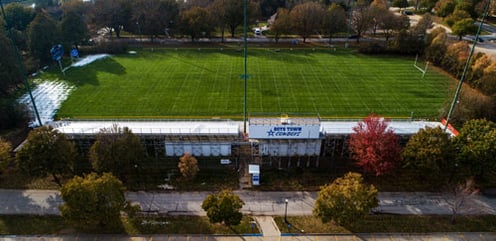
pixel 89 74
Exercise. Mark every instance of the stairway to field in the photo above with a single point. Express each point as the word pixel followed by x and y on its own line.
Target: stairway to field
pixel 244 160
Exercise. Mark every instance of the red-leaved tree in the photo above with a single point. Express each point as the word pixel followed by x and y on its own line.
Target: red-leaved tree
pixel 374 146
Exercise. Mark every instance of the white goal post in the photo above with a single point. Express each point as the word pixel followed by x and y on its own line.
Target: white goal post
pixel 423 71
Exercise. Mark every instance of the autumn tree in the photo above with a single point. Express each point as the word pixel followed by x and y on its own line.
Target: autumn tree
pixel 471 104
pixel 188 166
pixel 196 22
pixel 47 152
pixel 282 24
pixel 334 20
pixel 346 200
pixel 306 19
pixel 487 82
pixel 374 146
pixel 116 150
pixel 430 152
pixel 445 7
pixel 5 157
pixel 223 207
pixel 476 144
pixel 464 27
pixel 94 201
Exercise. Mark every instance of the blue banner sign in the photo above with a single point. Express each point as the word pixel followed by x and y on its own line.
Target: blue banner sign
pixel 57 51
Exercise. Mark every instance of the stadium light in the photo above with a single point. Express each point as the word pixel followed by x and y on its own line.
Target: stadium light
pixel 467 63
pixel 21 65
pixel 244 55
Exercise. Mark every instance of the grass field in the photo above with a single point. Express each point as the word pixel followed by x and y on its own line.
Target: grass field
pixel 206 83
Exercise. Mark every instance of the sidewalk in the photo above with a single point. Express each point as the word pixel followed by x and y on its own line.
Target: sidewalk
pixel 306 237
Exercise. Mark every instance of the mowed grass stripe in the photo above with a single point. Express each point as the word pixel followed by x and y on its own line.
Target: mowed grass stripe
pixel 207 83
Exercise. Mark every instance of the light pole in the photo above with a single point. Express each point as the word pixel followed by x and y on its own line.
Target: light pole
pixel 21 65
pixel 286 210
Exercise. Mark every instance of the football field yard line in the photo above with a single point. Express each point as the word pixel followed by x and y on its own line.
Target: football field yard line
pixel 193 83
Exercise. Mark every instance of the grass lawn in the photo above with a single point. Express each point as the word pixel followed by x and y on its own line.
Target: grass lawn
pixel 206 83
pixel 31 224
pixel 392 224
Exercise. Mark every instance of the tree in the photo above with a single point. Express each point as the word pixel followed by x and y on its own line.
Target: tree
pixel 154 16
pixel 47 152
pixel 424 24
pixel 10 74
pixel 445 7
pixel 223 207
pixel 476 144
pixel 361 19
pixel 427 4
pixel 456 16
pixel 18 16
pixel 345 200
pixel 196 22
pixel 375 146
pixel 464 27
pixel 282 24
pixel 458 195
pixel 399 3
pixel 112 14
pixel 5 157
pixel 430 152
pixel 116 150
pixel 233 14
pixel 94 201
pixel 43 34
pixel 334 20
pixel 188 166
pixel 487 82
pixel 306 19
pixel 73 27
pixel 390 22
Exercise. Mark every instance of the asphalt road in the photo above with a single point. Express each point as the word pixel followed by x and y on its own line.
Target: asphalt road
pixel 256 203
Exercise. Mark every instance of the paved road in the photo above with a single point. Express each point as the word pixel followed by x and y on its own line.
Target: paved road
pixel 257 203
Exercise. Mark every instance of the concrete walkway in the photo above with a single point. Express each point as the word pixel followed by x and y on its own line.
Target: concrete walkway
pixel 267 226
pixel 306 237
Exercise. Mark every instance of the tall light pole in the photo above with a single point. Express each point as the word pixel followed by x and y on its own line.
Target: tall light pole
pixel 286 210
pixel 244 55
pixel 21 65
pixel 460 83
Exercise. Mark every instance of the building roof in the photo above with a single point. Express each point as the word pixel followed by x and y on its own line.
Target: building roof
pixel 151 127
pixel 399 127
pixel 226 127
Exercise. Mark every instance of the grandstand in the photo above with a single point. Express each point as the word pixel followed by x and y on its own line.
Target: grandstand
pixel 279 142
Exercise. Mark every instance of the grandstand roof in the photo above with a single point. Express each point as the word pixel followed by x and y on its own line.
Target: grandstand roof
pixel 399 127
pixel 151 127
pixel 218 127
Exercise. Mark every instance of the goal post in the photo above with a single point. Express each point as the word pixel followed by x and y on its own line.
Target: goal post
pixel 423 71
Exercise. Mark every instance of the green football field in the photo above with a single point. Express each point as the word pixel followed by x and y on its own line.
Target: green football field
pixel 207 83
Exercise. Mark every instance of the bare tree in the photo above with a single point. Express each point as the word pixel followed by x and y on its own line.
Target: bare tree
pixel 459 195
